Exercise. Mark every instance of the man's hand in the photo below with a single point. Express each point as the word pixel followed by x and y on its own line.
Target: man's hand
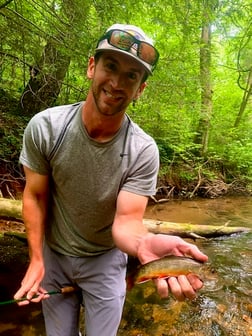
pixel 30 286
pixel 182 287
pixel 153 247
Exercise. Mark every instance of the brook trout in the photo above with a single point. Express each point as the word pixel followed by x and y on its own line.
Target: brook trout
pixel 164 268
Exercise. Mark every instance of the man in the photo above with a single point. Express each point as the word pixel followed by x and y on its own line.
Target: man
pixel 89 171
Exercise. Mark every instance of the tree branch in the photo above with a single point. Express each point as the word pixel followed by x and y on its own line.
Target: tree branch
pixel 5 4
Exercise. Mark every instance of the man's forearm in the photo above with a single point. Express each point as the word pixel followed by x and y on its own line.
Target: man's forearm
pixel 34 215
pixel 128 237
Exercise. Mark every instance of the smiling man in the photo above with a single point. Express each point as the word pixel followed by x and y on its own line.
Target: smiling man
pixel 115 82
pixel 89 172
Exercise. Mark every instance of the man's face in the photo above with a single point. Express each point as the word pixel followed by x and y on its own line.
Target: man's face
pixel 117 80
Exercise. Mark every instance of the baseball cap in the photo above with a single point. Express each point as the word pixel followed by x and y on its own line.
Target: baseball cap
pixel 132 41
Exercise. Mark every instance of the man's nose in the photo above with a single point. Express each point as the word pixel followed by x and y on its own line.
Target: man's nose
pixel 117 81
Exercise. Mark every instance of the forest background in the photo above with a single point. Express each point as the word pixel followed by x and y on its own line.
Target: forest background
pixel 197 105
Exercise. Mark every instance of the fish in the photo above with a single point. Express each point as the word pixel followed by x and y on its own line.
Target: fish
pixel 164 268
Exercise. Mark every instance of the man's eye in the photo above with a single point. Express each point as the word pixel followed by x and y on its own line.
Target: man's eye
pixel 132 75
pixel 111 66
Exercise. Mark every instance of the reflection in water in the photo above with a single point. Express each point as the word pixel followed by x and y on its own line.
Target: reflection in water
pixel 235 211
pixel 223 306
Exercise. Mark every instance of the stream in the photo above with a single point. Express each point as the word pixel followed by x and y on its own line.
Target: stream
pixel 223 306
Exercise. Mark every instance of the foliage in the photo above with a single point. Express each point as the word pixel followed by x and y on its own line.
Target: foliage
pixel 11 132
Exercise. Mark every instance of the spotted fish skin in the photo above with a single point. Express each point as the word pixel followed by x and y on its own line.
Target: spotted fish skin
pixel 167 267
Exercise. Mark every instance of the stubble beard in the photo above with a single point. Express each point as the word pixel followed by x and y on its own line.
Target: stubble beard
pixel 107 110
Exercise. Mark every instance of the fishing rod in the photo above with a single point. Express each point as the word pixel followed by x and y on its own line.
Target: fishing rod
pixel 63 290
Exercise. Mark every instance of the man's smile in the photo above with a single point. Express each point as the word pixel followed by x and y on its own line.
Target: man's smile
pixel 112 96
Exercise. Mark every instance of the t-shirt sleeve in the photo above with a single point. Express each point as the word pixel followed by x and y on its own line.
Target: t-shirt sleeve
pixel 35 145
pixel 142 176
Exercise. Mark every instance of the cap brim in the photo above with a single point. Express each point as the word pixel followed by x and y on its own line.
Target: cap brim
pixel 109 47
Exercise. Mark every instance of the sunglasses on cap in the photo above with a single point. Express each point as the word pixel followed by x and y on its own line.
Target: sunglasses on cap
pixel 125 41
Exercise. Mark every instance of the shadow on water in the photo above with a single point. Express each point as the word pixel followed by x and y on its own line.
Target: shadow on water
pixel 222 308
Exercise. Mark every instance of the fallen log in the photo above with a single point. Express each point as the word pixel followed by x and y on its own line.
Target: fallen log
pixel 188 230
pixel 12 209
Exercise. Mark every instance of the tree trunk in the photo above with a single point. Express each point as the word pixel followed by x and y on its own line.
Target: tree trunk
pixel 45 81
pixel 205 79
pixel 188 230
pixel 247 94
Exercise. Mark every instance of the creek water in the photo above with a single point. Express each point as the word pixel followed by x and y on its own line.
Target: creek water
pixel 222 307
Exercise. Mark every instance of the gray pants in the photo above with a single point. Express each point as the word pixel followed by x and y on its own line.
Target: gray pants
pixel 101 280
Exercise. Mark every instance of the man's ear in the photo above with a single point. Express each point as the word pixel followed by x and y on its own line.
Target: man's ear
pixel 140 90
pixel 91 68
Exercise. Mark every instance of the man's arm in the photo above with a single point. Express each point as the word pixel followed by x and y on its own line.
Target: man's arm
pixel 131 236
pixel 35 199
pixel 128 229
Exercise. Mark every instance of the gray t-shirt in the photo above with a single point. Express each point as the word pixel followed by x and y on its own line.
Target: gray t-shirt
pixel 86 176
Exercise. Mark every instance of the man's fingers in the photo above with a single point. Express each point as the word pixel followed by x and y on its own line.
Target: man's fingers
pixel 176 289
pixel 33 295
pixel 187 288
pixel 181 287
pixel 41 295
pixel 162 287
pixel 193 251
pixel 195 281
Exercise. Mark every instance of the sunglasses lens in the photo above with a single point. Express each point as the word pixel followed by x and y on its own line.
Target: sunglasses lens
pixel 121 40
pixel 125 41
pixel 147 53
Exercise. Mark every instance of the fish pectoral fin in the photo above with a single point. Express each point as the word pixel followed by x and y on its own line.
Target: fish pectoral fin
pixel 154 278
pixel 143 281
pixel 164 277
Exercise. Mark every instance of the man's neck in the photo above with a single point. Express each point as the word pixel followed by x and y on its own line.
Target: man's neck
pixel 100 128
